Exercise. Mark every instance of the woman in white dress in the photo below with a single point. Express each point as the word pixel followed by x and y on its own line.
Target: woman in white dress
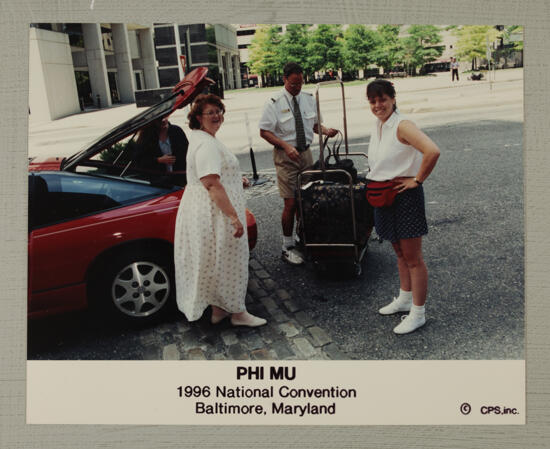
pixel 211 247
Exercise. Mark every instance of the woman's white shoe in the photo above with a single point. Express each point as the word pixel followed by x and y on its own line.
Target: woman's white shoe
pixel 247 319
pixel 410 323
pixel 397 305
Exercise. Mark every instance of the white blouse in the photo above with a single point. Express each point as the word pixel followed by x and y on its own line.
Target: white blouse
pixel 388 157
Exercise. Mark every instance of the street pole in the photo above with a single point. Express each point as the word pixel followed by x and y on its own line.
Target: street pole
pixel 257 180
pixel 488 54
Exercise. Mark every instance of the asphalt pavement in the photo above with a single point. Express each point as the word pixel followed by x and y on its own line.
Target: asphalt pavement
pixel 474 252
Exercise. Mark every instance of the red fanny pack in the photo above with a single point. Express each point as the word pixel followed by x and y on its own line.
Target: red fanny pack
pixel 381 193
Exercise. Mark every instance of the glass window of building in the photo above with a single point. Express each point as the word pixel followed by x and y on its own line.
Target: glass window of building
pixel 197 32
pixel 167 56
pixel 168 77
pixel 164 35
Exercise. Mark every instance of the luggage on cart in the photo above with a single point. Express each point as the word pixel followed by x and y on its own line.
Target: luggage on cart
pixel 335 219
pixel 327 210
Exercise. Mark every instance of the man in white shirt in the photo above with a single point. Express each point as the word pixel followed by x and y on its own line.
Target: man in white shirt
pixel 288 122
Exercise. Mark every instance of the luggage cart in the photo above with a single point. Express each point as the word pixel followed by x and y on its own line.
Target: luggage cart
pixel 335 220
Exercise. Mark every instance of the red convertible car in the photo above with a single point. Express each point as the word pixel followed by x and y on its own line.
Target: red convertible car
pixel 101 230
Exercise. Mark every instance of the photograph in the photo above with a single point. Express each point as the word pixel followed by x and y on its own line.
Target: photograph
pixel 275 192
pixel 241 224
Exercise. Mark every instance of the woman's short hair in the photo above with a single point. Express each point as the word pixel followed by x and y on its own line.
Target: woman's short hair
pixel 378 88
pixel 198 107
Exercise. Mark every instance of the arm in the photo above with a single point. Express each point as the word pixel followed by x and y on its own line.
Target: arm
pixel 180 144
pixel 290 151
pixel 331 132
pixel 219 196
pixel 409 134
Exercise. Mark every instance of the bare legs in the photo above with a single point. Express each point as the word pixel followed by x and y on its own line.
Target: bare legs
pixel 413 274
pixel 287 219
pixel 413 278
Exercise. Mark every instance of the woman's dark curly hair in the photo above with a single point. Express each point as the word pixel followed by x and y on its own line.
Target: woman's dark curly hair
pixel 198 107
pixel 377 88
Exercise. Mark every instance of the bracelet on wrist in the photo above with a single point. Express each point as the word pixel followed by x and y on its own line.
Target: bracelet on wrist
pixel 417 181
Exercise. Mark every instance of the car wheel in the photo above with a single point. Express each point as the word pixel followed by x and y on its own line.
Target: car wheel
pixel 138 287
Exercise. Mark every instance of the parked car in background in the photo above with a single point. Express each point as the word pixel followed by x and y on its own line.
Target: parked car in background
pixel 101 230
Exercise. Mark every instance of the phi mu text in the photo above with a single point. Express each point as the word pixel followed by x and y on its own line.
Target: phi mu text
pixel 274 373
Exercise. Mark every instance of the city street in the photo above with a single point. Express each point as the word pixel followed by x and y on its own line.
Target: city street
pixel 474 249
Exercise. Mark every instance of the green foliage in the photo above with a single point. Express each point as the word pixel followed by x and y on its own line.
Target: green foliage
pixel 514 32
pixel 263 51
pixel 110 154
pixel 293 46
pixel 389 51
pixel 359 45
pixel 420 47
pixel 472 41
pixel 324 48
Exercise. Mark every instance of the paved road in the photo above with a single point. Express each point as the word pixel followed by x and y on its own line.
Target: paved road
pixel 474 253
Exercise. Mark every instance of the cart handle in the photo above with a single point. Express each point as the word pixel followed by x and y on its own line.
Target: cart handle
pixel 321 145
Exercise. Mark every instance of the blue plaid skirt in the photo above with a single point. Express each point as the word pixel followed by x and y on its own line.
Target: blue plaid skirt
pixel 404 219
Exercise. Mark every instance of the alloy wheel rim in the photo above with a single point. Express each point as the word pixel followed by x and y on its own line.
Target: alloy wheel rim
pixel 140 289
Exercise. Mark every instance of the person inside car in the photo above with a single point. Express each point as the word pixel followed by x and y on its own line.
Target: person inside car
pixel 162 148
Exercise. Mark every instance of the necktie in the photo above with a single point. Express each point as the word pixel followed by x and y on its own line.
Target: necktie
pixel 300 135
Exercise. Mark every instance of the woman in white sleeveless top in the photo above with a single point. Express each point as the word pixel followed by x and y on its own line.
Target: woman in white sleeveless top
pixel 210 243
pixel 399 151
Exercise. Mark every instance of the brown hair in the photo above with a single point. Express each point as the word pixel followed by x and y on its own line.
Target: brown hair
pixel 198 106
pixel 377 88
pixel 149 134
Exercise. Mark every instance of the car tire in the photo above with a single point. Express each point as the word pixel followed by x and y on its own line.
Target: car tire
pixel 136 287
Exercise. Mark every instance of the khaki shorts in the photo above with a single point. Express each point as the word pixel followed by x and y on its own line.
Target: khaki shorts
pixel 287 170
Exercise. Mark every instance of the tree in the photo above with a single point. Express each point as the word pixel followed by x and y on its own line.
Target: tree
pixel 511 42
pixel 359 45
pixel 389 50
pixel 264 54
pixel 324 48
pixel 293 46
pixel 472 41
pixel 514 31
pixel 420 47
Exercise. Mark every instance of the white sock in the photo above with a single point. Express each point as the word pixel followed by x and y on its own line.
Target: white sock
pixel 417 311
pixel 405 296
pixel 288 241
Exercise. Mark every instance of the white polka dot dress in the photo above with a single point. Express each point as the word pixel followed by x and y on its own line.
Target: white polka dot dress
pixel 211 266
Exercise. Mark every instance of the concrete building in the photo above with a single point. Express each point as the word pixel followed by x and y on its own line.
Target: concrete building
pixel 74 66
pixel 212 45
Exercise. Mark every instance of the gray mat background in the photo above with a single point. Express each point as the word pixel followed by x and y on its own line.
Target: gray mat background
pixel 15 17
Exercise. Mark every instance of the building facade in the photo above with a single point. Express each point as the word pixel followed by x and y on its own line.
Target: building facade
pixel 74 66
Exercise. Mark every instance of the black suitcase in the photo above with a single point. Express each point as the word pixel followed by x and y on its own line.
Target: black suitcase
pixel 326 212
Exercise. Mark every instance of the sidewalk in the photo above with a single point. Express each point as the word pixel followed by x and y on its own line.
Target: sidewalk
pixel 417 95
pixel 290 333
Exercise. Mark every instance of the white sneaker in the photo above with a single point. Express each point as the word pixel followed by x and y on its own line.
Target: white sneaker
pixel 292 256
pixel 410 323
pixel 397 305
